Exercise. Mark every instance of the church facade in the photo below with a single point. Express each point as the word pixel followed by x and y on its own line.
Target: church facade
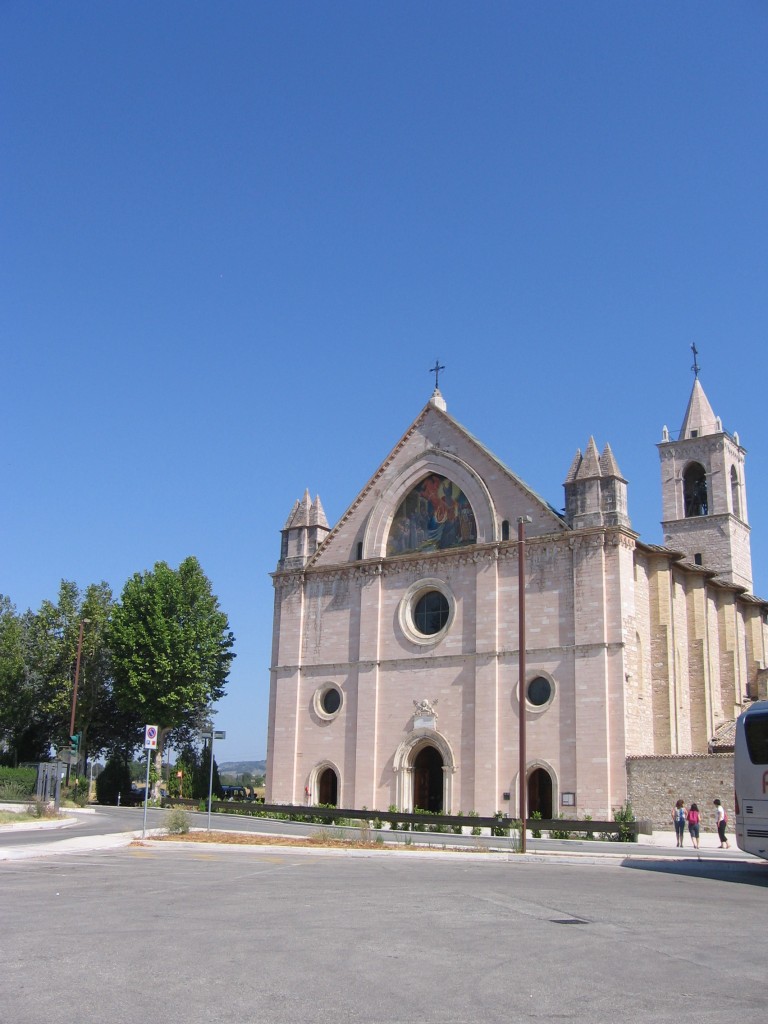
pixel 396 647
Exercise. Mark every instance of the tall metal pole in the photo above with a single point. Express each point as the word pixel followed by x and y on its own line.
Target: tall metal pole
pixel 523 801
pixel 210 783
pixel 74 691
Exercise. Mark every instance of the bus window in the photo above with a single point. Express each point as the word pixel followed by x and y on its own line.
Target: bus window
pixel 756 734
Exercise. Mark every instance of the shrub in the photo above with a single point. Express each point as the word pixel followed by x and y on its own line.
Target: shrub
pixel 536 832
pixel 20 782
pixel 624 815
pixel 476 830
pixel 13 792
pixel 177 822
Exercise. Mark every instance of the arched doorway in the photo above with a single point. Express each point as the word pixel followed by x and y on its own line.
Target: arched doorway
pixel 428 780
pixel 328 788
pixel 540 793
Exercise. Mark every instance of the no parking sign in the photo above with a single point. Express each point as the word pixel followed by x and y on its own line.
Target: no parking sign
pixel 150 737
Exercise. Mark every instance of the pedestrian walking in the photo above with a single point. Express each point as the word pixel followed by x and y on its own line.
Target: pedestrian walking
pixel 722 824
pixel 694 824
pixel 679 817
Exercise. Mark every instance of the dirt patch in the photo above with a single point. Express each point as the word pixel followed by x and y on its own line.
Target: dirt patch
pixel 326 842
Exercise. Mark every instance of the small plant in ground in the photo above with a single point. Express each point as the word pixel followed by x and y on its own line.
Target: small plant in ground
pixel 177 822
pixel 476 830
pixel 516 835
pixel 589 834
pixel 327 835
pixel 457 829
pixel 499 829
pixel 40 809
pixel 365 831
pixel 557 833
pixel 623 816
pixel 536 832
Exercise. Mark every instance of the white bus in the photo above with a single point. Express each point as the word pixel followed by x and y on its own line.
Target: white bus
pixel 750 777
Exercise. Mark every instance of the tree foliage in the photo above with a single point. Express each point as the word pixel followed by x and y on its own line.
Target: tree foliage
pixel 170 645
pixel 161 654
pixel 114 780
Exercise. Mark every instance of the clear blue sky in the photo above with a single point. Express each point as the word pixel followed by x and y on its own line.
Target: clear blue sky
pixel 236 235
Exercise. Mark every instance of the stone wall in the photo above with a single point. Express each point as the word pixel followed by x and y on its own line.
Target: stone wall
pixel 654 784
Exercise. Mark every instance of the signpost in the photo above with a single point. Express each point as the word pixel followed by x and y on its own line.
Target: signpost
pixel 210 736
pixel 150 744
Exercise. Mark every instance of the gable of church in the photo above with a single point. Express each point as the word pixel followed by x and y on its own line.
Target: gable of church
pixel 438 489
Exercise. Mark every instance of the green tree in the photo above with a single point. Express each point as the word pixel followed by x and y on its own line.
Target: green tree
pixel 202 777
pixel 52 639
pixel 171 647
pixel 113 780
pixel 15 700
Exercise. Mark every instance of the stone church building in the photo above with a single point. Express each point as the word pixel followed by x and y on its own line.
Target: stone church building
pixel 395 654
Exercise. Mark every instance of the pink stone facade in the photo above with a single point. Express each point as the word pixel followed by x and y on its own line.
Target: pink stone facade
pixel 641 652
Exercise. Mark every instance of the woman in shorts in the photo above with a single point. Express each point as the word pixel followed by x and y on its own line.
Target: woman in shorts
pixel 694 825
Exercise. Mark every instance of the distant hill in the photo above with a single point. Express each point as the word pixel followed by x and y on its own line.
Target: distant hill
pixel 238 767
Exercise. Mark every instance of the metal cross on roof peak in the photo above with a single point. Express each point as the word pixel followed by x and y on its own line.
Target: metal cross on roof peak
pixel 436 370
pixel 695 366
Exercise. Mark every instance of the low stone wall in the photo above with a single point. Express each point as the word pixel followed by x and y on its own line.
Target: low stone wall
pixel 654 784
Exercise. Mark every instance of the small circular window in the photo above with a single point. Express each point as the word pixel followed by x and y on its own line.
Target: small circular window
pixel 430 613
pixel 331 701
pixel 539 692
pixel 328 701
pixel 426 611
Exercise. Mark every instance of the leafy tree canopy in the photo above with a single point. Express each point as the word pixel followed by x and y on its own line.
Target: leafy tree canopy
pixel 170 645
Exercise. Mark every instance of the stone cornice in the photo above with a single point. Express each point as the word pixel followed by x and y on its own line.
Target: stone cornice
pixel 444 660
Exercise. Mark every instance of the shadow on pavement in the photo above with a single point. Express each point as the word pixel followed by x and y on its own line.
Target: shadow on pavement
pixel 740 872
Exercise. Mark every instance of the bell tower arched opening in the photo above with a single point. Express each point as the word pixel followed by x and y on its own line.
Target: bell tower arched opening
pixel 695 497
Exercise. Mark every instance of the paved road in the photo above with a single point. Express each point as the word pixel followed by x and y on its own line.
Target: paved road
pixel 105 821
pixel 188 935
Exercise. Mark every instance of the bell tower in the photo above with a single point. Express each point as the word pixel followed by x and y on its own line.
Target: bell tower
pixel 703 487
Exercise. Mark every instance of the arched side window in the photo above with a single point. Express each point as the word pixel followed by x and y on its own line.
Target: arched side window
pixel 695 496
pixel 505 530
pixel 735 493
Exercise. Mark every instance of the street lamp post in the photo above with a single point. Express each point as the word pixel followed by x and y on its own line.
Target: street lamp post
pixel 522 520
pixel 74 690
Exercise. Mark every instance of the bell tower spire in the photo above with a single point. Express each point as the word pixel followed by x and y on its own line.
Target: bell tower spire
pixel 703 487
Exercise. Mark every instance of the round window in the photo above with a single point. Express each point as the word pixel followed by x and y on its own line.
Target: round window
pixel 426 611
pixel 327 701
pixel 539 691
pixel 430 613
pixel 331 701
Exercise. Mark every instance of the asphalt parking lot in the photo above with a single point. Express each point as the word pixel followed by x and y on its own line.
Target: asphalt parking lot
pixel 245 935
